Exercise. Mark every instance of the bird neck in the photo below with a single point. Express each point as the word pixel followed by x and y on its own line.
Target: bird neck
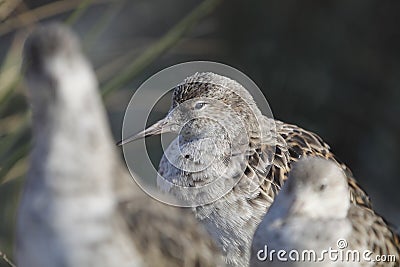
pixel 71 135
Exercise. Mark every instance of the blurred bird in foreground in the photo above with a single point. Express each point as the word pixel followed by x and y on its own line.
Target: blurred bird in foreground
pixel 227 147
pixel 79 206
pixel 313 212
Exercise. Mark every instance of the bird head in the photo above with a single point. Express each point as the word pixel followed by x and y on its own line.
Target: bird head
pixel 206 105
pixel 317 188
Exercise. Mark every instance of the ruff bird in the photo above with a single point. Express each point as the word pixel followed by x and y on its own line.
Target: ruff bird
pixel 235 156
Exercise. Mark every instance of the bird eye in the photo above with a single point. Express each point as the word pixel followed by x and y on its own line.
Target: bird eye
pixel 322 187
pixel 199 105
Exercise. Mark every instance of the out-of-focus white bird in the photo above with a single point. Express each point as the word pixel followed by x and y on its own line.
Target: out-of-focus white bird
pixel 79 206
pixel 313 212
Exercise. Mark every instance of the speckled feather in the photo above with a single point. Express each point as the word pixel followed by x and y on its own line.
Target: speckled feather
pixel 169 238
pixel 232 219
pixel 372 231
pixel 293 143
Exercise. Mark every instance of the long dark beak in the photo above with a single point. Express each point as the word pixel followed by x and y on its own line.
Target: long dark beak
pixel 162 126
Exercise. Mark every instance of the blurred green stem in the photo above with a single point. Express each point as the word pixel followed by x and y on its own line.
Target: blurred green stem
pixel 7 97
pixel 43 12
pixel 4 257
pixel 78 12
pixel 101 24
pixel 18 154
pixel 155 50
pixel 10 141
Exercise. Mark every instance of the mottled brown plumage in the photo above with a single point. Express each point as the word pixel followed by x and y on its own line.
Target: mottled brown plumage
pixel 167 236
pixel 263 162
pixel 293 143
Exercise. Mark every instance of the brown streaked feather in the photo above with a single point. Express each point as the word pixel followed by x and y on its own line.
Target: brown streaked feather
pixel 169 236
pixel 371 230
pixel 292 143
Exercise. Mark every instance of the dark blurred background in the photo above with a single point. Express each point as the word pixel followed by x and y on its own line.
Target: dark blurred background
pixel 332 67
